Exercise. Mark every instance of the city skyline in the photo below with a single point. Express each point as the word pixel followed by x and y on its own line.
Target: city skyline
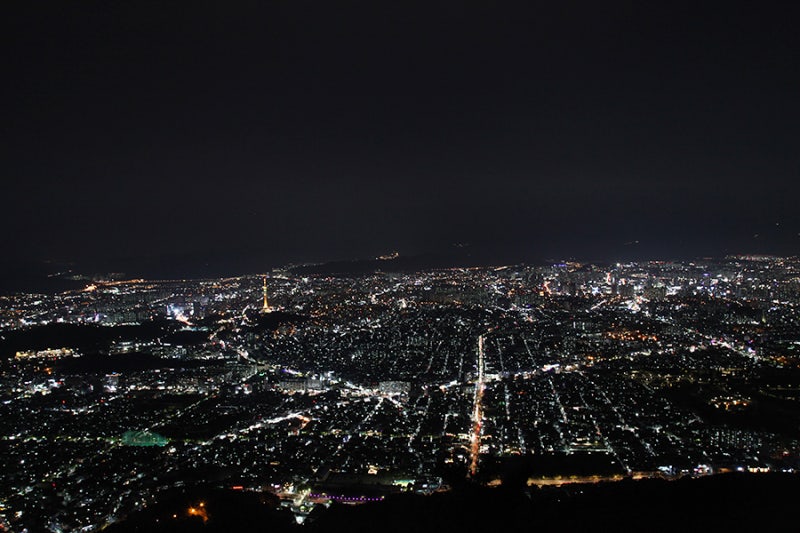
pixel 515 383
pixel 436 266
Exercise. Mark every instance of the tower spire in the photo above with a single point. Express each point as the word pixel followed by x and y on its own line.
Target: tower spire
pixel 265 308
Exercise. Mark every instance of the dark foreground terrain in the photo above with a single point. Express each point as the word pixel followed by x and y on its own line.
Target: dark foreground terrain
pixel 735 502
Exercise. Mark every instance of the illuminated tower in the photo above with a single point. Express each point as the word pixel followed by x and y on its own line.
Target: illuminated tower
pixel 265 308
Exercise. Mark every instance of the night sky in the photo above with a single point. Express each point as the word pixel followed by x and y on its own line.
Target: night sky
pixel 248 134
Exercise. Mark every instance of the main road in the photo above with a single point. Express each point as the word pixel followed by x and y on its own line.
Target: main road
pixel 477 413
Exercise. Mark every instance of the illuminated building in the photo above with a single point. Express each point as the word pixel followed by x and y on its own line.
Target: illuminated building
pixel 265 308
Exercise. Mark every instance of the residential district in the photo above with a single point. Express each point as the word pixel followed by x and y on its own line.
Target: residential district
pixel 319 388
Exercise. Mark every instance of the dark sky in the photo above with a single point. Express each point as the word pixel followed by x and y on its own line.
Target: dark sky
pixel 297 130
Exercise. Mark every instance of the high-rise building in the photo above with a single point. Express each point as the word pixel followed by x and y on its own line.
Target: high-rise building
pixel 265 308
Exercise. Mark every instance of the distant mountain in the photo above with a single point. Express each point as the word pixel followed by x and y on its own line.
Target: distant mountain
pixel 456 257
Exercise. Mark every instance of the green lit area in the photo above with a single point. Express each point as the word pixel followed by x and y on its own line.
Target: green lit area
pixel 143 438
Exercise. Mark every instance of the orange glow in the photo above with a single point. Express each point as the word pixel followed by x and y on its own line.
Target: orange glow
pixel 477 414
pixel 630 335
pixel 200 511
